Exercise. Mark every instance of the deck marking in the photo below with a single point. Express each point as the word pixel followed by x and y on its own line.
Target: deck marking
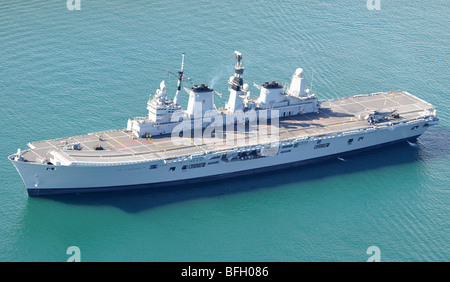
pixel 122 143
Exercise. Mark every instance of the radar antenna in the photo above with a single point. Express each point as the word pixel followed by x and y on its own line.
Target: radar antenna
pixel 180 78
pixel 239 58
pixel 236 81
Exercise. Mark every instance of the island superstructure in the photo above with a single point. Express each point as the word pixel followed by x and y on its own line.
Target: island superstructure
pixel 285 126
pixel 165 115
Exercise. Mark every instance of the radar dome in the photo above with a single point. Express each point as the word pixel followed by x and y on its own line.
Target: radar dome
pixel 299 72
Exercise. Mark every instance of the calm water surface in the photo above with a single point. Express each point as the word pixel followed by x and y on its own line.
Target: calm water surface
pixel 65 73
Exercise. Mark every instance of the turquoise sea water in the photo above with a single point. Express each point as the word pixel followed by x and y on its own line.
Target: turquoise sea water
pixel 65 73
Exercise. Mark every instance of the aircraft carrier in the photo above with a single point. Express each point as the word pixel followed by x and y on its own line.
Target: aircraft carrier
pixel 285 126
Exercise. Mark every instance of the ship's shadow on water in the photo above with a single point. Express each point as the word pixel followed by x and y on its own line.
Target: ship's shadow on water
pixel 134 201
